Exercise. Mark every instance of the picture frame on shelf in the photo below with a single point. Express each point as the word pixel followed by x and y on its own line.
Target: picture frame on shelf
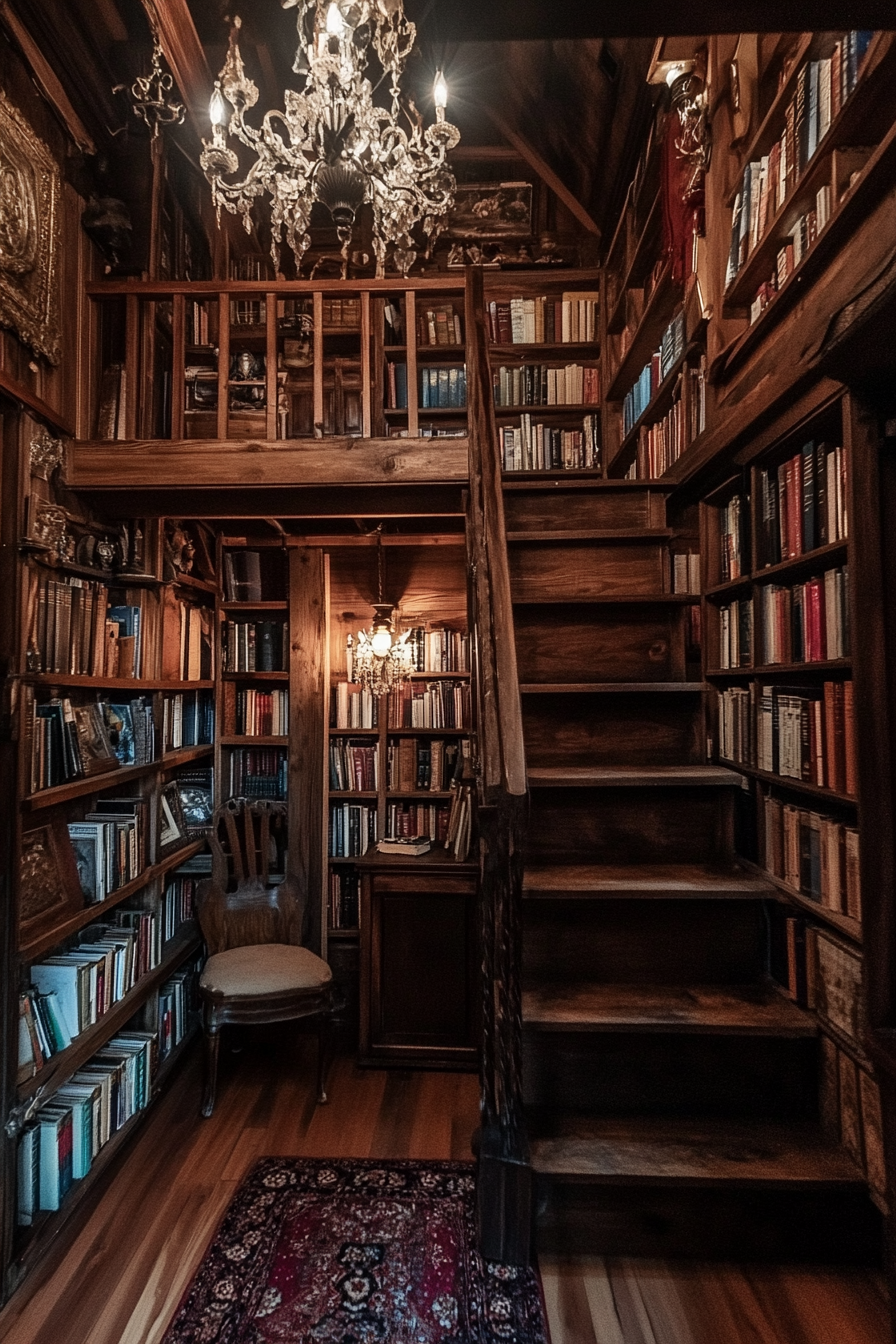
pixel 491 210
pixel 49 883
pixel 172 827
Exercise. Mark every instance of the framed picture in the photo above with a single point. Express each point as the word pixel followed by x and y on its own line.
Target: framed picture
pixel 49 883
pixel 172 830
pixel 491 210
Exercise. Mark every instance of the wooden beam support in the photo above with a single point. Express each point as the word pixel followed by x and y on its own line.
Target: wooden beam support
pixel 47 79
pixel 543 169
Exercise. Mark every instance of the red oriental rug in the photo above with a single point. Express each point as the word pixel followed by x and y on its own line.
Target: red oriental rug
pixel 355 1252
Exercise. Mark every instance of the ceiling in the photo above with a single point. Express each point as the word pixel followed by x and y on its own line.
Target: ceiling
pixel 560 85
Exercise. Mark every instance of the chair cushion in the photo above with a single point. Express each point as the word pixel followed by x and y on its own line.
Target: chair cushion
pixel 264 968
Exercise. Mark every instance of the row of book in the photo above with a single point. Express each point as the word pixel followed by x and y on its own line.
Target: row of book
pixel 662 443
pixel 187 649
pixel 243 577
pixel 733 542
pixel 198 327
pixel 822 87
pixel 257 772
pixel 352 830
pixel 61 1143
pixel 72 741
pixel 254 646
pixel 686 572
pixel 802 503
pixel 814 854
pixel 544 321
pixel 801 623
pixel 805 733
pixel 178 906
pixel 805 622
pixel 851 1114
pixel 414 763
pixel 640 395
pixel 261 713
pixel 77 629
pixel 188 720
pixel 177 999
pixel 442 649
pixel 74 990
pixel 441 387
pixel 439 325
pixel 343 898
pixel 793 248
pixel 432 704
pixel 353 706
pixel 546 385
pixel 354 766
pixel 425 820
pixel 540 447
pixel 110 846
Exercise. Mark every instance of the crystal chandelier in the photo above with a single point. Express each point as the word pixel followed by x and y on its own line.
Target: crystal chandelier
pixel 332 143
pixel 380 660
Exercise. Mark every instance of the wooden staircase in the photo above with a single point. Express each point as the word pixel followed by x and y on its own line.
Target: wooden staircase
pixel 670 1087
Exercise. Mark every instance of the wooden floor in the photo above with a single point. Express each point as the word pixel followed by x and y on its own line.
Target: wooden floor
pixel 119 1280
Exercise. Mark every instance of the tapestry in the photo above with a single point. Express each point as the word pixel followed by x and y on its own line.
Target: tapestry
pixel 355 1252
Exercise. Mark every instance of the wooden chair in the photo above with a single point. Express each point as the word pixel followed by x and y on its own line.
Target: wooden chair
pixel 257 970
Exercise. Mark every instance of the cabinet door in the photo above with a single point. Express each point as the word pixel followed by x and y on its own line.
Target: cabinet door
pixel 419 999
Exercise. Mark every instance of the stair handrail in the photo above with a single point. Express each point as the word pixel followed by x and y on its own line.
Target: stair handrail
pixel 504 1174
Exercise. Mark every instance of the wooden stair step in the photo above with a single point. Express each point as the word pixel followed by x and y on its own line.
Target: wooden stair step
pixel 633 777
pixel 659 1151
pixel 654 881
pixel 717 1010
pixel 597 534
pixel 611 687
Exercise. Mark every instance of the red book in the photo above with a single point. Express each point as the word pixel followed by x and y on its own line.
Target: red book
pixel 783 527
pixel 813 601
pixel 796 505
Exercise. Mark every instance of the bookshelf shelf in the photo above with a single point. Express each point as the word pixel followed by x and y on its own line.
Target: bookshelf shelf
pixel 63 1065
pixel 79 788
pixel 246 740
pixel 255 606
pixel 772 670
pixel 256 676
pixel 38 946
pixel 728 588
pixel 645 336
pixel 343 935
pixel 172 759
pixel 794 785
pixel 844 924
pixel 113 683
pixel 432 795
pixel 800 564
pixel 641 261
pixel 613 688
pixel 553 350
pixel 567 408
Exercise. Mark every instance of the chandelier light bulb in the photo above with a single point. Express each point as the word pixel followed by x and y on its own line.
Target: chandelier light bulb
pixel 382 642
pixel 440 95
pixel 217 109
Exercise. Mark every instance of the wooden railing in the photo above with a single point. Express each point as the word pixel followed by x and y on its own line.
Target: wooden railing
pixel 504 1175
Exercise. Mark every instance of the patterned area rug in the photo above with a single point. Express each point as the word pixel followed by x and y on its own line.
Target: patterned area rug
pixel 355 1252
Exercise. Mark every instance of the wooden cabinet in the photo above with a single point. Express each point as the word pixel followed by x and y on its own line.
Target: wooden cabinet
pixel 419 961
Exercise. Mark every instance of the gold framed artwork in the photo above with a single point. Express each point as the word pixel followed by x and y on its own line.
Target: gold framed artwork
pixel 29 234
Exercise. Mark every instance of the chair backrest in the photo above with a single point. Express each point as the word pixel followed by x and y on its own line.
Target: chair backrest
pixel 238 906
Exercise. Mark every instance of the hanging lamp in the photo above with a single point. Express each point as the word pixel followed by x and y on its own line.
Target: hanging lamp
pixel 381 658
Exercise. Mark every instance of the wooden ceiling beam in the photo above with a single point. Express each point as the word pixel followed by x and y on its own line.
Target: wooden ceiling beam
pixel 185 56
pixel 48 80
pixel 544 170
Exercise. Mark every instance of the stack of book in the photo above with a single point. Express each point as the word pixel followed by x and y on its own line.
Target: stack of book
pixel 60 1145
pixel 541 447
pixel 440 650
pixel 433 704
pixel 546 385
pixel 645 388
pixel 344 899
pixel 188 720
pixel 258 772
pixel 733 520
pixel 110 846
pixel 806 622
pixel 76 630
pixel 814 854
pixel 544 321
pixel 736 633
pixel 254 646
pixel 262 713
pixel 354 766
pixel 439 325
pixel 426 820
pixel 352 830
pixel 802 503
pixel 822 87
pixel 354 707
pixel 443 387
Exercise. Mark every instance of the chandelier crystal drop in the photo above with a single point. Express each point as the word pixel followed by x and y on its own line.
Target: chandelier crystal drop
pixel 332 143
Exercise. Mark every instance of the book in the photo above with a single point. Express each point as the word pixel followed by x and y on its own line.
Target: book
pixel 410 847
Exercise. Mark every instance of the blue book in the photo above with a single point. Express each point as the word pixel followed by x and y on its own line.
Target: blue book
pixel 401 387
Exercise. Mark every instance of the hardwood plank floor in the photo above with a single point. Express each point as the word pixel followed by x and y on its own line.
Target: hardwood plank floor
pixel 119 1278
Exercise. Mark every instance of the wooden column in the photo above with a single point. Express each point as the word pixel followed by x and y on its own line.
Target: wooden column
pixel 307 661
